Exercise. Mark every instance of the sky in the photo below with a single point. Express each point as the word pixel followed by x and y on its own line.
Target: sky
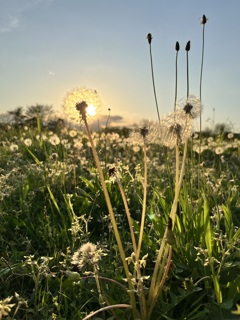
pixel 50 47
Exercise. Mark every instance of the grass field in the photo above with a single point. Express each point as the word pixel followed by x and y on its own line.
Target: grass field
pixel 59 258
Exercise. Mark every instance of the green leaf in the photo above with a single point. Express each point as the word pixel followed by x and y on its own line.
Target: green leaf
pixel 228 221
pixel 207 227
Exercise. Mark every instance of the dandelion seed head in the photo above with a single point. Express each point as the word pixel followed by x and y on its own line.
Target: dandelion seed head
pixel 54 140
pixel 81 103
pixel 13 147
pixel 192 106
pixel 28 142
pixel 87 255
pixel 72 133
pixel 144 135
pixel 175 129
pixel 219 150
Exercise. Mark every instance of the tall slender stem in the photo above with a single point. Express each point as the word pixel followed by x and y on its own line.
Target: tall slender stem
pixel 144 203
pixel 127 213
pixel 113 221
pixel 177 47
pixel 200 90
pixel 153 82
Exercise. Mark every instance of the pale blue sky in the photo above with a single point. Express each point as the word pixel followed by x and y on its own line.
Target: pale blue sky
pixel 49 47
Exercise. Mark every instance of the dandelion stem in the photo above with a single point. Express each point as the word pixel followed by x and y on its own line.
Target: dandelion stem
pixel 164 277
pixel 113 221
pixel 142 297
pixel 144 202
pixel 128 214
pixel 108 308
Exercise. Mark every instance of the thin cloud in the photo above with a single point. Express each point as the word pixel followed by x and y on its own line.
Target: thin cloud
pixel 11 23
pixel 11 15
pixel 51 73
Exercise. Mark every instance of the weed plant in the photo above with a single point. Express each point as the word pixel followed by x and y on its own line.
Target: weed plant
pixel 97 225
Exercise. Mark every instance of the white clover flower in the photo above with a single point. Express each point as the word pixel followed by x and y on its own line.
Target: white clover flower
pixel 81 103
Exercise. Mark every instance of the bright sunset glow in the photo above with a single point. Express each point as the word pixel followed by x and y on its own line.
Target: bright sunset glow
pixel 91 110
pixel 77 96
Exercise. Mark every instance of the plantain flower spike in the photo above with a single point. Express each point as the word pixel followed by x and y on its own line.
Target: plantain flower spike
pixel 187 48
pixel 177 46
pixel 149 37
pixel 204 19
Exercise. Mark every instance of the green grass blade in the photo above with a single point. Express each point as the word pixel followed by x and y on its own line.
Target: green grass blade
pixel 207 227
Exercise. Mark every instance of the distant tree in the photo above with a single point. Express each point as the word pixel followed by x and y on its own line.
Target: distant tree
pixel 221 128
pixel 17 116
pixel 5 118
pixel 39 111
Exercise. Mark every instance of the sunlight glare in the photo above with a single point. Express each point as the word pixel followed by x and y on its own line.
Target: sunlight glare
pixel 91 110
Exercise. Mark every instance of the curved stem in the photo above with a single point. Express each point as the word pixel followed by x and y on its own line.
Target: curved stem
pixel 154 89
pixel 128 214
pixel 126 306
pixel 113 221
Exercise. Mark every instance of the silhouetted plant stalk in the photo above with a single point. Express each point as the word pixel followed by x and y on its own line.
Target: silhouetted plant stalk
pixel 82 110
pixel 137 269
pixel 149 37
pixel 203 22
pixel 164 256
pixel 177 48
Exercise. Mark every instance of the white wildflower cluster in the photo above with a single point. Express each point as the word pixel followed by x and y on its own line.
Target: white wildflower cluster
pixel 5 307
pixel 138 264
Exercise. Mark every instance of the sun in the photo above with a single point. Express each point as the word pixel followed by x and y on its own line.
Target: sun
pixel 91 110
